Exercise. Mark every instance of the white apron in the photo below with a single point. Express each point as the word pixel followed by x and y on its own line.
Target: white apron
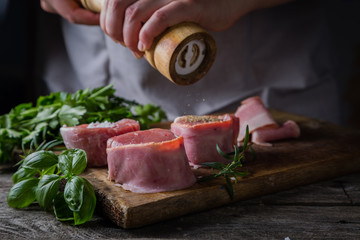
pixel 283 54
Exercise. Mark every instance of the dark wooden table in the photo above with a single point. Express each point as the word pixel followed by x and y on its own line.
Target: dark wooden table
pixel 323 210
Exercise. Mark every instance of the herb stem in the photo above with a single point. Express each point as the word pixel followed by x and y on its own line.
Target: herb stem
pixel 229 170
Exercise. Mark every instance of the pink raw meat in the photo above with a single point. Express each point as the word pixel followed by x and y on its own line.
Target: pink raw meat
pixel 289 129
pixel 149 161
pixel 202 133
pixel 92 138
pixel 253 113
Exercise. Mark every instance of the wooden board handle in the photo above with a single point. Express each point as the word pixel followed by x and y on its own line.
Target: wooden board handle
pixel 183 53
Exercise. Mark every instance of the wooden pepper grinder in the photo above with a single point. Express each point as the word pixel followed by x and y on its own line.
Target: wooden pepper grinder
pixel 183 53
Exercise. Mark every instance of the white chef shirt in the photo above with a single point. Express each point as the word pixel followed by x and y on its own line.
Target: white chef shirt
pixel 283 54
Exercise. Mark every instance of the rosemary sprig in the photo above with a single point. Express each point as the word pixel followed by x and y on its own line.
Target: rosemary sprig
pixel 230 171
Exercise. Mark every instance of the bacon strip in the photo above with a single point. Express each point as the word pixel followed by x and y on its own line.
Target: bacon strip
pixel 149 161
pixel 92 138
pixel 253 113
pixel 289 129
pixel 202 133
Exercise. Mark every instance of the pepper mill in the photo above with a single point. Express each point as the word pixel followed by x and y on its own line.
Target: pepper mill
pixel 183 53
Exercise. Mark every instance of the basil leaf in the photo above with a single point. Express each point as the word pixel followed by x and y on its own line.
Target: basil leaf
pixel 50 170
pixel 22 194
pixel 73 193
pixel 22 174
pixel 61 209
pixel 88 207
pixel 46 190
pixel 40 160
pixel 72 161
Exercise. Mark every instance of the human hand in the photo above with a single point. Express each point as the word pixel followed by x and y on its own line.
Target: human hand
pixel 135 23
pixel 71 10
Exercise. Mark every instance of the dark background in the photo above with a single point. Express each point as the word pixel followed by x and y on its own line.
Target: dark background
pixel 21 44
pixel 18 53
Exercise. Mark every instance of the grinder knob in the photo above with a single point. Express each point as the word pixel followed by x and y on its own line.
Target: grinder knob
pixel 183 53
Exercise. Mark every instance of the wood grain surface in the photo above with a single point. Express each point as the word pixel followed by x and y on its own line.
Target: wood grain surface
pixel 325 210
pixel 323 151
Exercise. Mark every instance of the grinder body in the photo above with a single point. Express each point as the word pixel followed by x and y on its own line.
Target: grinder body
pixel 183 53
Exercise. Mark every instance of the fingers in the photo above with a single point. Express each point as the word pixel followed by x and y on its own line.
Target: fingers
pixel 112 18
pixel 46 7
pixel 71 10
pixel 135 23
pixel 135 16
pixel 123 19
pixel 168 15
pixel 83 16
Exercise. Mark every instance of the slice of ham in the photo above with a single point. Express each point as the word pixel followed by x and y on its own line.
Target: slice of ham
pixel 149 161
pixel 202 133
pixel 252 112
pixel 289 129
pixel 92 138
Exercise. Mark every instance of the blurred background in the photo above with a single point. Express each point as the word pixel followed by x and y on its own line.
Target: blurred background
pixel 18 31
pixel 23 25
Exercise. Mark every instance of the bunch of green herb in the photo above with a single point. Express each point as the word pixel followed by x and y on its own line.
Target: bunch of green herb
pixel 39 179
pixel 231 170
pixel 26 125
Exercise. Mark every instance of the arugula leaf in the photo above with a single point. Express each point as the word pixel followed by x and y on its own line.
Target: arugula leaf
pixel 22 194
pixel 70 115
pixel 36 133
pixel 6 149
pixel 12 133
pixel 44 114
pixel 26 125
pixel 149 113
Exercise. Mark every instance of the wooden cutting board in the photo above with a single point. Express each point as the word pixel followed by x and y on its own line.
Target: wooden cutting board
pixel 323 151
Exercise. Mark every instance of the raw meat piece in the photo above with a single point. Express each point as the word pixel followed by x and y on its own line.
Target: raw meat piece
pixel 253 113
pixel 149 161
pixel 289 129
pixel 92 138
pixel 202 133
